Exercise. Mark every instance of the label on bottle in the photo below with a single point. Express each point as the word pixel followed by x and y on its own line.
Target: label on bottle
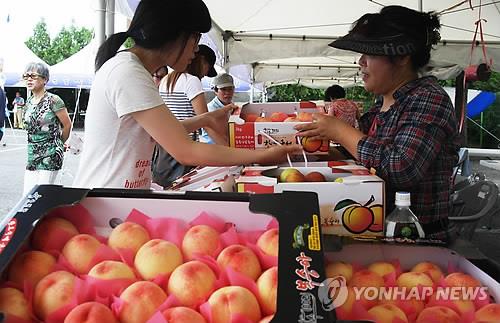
pixel 408 230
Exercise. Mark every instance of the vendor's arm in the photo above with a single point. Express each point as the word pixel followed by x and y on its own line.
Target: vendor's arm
pixel 332 128
pixel 218 132
pixel 211 119
pixel 162 125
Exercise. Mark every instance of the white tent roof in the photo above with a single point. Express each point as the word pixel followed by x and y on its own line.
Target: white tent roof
pixel 276 41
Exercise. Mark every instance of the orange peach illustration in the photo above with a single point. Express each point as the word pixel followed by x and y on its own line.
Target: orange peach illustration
pixel 357 218
pixel 378 218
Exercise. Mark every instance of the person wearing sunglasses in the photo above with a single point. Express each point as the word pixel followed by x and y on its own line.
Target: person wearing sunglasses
pixel 126 114
pixel 48 126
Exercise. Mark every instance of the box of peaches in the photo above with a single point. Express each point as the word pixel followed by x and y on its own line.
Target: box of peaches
pixel 261 125
pixel 75 255
pixel 422 284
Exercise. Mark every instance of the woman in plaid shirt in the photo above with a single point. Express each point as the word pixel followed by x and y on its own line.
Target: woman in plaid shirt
pixel 410 135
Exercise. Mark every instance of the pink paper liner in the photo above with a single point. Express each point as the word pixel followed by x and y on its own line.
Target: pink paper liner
pixel 209 219
pixel 138 217
pixel 359 312
pixel 161 280
pixel 238 279
pixel 230 237
pixel 266 261
pixel 127 256
pixel 168 229
pixel 452 268
pixel 157 318
pixel 103 290
pixel 220 274
pixel 79 216
pixel 390 279
pixel 251 236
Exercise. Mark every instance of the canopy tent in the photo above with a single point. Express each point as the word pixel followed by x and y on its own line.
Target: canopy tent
pixel 283 41
pixel 477 101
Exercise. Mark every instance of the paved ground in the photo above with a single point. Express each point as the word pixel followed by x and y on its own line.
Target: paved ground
pixel 13 156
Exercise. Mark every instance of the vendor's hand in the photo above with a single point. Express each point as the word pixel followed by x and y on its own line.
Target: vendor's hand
pixel 322 127
pixel 277 154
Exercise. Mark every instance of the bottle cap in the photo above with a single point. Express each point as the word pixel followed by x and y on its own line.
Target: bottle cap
pixel 403 199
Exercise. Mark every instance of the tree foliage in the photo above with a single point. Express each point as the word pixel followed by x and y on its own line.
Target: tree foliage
pixel 66 43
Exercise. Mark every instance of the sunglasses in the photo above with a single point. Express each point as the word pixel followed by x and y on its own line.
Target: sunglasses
pixel 33 76
pixel 161 72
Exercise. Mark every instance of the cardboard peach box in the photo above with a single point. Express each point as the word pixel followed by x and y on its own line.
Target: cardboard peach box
pixel 255 135
pixel 300 258
pixel 351 201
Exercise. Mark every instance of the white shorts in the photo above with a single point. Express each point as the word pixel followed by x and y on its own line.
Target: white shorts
pixel 38 177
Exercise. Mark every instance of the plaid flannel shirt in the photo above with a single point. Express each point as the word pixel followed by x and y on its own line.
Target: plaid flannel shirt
pixel 414 148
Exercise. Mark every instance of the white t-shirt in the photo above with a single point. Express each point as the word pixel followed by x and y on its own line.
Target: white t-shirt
pixel 179 100
pixel 117 150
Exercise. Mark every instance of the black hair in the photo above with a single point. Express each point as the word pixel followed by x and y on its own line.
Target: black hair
pixel 421 27
pixel 157 23
pixel 334 92
pixel 194 68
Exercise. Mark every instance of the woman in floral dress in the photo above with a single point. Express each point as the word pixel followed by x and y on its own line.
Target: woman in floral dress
pixel 48 126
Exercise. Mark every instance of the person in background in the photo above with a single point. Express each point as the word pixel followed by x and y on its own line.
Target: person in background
pixel 18 110
pixel 410 135
pixel 159 74
pixel 126 114
pixel 183 94
pixel 337 105
pixel 223 85
pixel 48 125
pixel 4 112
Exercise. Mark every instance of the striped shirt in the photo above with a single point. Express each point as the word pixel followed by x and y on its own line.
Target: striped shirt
pixel 413 147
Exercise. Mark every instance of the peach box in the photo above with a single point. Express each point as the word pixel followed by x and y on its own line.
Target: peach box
pixel 252 135
pixel 207 179
pixel 300 239
pixel 351 201
pixel 408 256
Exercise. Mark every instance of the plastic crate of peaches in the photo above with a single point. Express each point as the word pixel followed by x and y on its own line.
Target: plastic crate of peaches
pixel 443 288
pixel 147 258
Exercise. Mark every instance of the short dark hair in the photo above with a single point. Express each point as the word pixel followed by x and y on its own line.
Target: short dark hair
pixel 157 23
pixel 334 92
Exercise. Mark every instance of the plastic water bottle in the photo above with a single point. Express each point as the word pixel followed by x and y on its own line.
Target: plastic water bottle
pixel 402 222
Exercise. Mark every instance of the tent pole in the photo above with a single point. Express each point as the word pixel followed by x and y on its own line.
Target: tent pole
pixel 420 5
pixel 252 76
pixel 110 18
pixel 100 21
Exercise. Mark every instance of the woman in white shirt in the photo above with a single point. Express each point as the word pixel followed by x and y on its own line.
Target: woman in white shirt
pixel 126 115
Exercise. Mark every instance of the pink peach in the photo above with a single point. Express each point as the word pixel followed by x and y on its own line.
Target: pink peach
pixel 241 259
pixel 157 257
pixel 439 314
pixel 182 314
pixel 231 300
pixel 128 235
pixel 488 313
pixel 30 267
pixel 79 252
pixel 47 234
pixel 110 269
pixel 267 286
pixel 13 304
pixel 90 312
pixel 268 242
pixel 339 268
pixel 200 239
pixel 53 292
pixel 140 301
pixel 387 313
pixel 429 268
pixel 382 268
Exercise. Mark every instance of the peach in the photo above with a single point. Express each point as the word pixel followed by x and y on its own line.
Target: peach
pixel 367 278
pixel 439 314
pixel 263 119
pixel 387 313
pixel 339 268
pixel 110 269
pixel 430 269
pixel 182 314
pixel 267 286
pixel 382 268
pixel 315 177
pixel 79 252
pixel 462 307
pixel 297 177
pixel 304 116
pixel 291 119
pixel 157 257
pixel 268 242
pixel 311 145
pixel 90 312
pixel 287 171
pixel 250 117
pixel 13 303
pixel 410 306
pixel 413 279
pixel 191 283
pixel 459 279
pixel 128 235
pixel 52 234
pixel 30 267
pixel 241 259
pixel 200 239
pixel 140 301
pixel 488 313
pixel 231 300
pixel 53 292
pixel 278 116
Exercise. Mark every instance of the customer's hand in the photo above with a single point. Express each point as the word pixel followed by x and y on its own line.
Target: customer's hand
pixel 218 122
pixel 277 154
pixel 322 127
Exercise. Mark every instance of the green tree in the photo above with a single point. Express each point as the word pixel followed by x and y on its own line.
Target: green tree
pixel 293 93
pixel 66 43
